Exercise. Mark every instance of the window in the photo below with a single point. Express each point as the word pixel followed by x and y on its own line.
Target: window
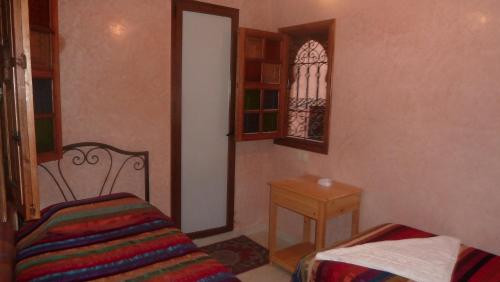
pixel 284 85
pixel 45 75
pixel 307 92
pixel 310 59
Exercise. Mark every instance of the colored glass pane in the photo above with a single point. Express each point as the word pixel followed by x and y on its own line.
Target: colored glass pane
pixel 271 99
pixel 252 99
pixel 44 130
pixel 42 93
pixel 270 122
pixel 251 123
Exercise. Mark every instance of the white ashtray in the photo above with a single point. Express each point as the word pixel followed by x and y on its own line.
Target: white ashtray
pixel 325 182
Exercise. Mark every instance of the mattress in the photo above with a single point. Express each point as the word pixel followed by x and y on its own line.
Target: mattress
pixel 472 264
pixel 113 238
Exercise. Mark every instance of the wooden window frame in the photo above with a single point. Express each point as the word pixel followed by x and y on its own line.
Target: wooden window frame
pixel 54 75
pixel 304 144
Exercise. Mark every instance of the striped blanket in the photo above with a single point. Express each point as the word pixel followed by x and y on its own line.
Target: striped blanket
pixel 472 265
pixel 112 238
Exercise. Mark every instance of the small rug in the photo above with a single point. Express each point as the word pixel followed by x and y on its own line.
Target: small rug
pixel 240 254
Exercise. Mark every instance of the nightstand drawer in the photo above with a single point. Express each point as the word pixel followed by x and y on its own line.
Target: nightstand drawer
pixel 342 205
pixel 294 202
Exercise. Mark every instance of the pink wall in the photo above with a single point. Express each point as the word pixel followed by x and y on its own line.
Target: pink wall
pixel 115 72
pixel 115 80
pixel 415 105
pixel 416 111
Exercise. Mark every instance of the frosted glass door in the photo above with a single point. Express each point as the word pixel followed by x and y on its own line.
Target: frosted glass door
pixel 206 58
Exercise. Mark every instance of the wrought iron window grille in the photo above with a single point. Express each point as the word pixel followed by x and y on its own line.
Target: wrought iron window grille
pixel 307 90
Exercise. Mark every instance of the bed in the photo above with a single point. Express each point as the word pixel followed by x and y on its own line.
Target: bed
pixel 472 264
pixel 110 237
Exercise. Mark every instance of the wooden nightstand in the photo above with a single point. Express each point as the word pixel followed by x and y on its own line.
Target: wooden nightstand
pixel 304 196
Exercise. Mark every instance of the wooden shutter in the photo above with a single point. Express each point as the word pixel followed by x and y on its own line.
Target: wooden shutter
pixel 44 43
pixel 260 99
pixel 18 131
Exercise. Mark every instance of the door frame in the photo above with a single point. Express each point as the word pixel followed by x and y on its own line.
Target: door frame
pixel 178 7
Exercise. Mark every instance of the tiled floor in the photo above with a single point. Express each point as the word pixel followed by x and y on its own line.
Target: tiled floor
pixel 265 273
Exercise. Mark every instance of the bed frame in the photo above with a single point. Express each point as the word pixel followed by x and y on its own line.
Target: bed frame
pixel 89 153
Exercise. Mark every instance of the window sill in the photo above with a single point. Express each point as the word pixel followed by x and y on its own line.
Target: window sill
pixel 49 156
pixel 316 147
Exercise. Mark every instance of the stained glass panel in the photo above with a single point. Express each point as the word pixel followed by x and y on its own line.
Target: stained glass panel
pixel 271 99
pixel 272 50
pixel 253 71
pixel 271 73
pixel 270 122
pixel 251 123
pixel 44 130
pixel 42 94
pixel 252 99
pixel 254 48
pixel 41 50
pixel 39 12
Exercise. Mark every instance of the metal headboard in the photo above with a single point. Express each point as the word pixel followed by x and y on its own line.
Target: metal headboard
pixel 88 153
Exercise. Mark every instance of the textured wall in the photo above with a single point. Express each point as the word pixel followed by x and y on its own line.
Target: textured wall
pixel 416 111
pixel 115 81
pixel 416 105
pixel 115 88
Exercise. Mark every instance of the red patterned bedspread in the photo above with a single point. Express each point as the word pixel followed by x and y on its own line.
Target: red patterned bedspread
pixel 113 238
pixel 473 265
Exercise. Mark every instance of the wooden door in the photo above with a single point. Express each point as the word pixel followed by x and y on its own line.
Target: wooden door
pixel 18 130
pixel 203 88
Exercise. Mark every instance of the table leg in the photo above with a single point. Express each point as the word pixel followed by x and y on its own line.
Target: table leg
pixel 273 214
pixel 321 228
pixel 307 230
pixel 355 222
